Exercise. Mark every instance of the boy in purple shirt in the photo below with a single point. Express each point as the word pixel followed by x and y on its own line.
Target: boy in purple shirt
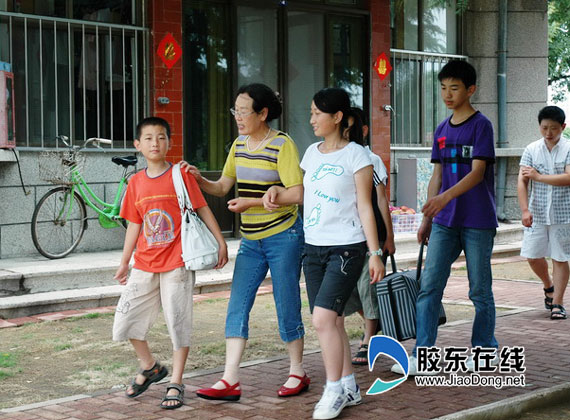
pixel 459 215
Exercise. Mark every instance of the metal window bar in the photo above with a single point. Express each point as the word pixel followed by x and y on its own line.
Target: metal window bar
pixel 41 81
pixel 20 55
pixel 70 68
pixel 417 108
pixel 26 82
pixel 98 96
pixel 124 87
pixel 55 72
pixel 84 95
pixel 111 81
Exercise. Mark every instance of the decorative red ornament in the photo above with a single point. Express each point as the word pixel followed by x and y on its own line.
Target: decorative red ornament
pixel 169 51
pixel 382 66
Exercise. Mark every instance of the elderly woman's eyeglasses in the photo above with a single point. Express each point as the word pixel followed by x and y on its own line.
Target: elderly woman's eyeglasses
pixel 241 114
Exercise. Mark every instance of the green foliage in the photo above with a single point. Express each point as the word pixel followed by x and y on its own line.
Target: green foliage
pixel 7 360
pixel 461 5
pixel 559 48
pixel 8 363
pixel 62 347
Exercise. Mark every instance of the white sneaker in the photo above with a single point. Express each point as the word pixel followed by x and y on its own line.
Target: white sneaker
pixel 470 363
pixel 412 368
pixel 330 405
pixel 353 398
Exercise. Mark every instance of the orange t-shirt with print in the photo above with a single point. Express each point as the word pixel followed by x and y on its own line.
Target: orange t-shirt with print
pixel 152 203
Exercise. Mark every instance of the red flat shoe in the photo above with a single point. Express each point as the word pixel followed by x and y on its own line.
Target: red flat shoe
pixel 229 393
pixel 289 392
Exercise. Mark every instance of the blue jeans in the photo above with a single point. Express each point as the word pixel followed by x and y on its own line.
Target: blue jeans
pixel 445 245
pixel 281 253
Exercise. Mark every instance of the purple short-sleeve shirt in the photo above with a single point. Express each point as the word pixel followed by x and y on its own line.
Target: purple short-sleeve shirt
pixel 455 147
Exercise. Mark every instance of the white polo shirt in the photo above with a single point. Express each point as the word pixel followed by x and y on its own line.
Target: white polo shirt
pixel 549 204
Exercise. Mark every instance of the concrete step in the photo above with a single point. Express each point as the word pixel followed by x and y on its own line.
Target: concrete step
pixel 31 275
pixel 31 286
pixel 92 297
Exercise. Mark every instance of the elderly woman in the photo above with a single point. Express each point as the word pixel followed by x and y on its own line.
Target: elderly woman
pixel 260 158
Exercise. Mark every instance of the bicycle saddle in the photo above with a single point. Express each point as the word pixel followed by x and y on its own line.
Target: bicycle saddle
pixel 124 160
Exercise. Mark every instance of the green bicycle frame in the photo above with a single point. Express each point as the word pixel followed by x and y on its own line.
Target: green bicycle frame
pixel 102 208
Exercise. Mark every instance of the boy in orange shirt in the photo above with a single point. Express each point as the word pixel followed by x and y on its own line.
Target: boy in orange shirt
pixel 158 275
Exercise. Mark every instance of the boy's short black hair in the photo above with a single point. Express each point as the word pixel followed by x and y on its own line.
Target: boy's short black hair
pixel 153 121
pixel 552 113
pixel 459 69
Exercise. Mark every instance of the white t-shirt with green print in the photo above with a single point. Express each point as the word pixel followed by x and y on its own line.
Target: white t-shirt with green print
pixel 330 213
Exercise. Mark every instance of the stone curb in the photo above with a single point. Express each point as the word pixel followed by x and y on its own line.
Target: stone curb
pixel 513 407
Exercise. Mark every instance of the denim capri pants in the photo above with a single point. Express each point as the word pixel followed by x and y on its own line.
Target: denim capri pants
pixel 331 273
pixel 281 253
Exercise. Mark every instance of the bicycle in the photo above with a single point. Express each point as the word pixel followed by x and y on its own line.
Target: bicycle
pixel 60 217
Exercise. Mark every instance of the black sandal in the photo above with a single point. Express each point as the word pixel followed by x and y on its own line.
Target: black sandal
pixel 178 398
pixel 361 354
pixel 547 299
pixel 154 374
pixel 558 312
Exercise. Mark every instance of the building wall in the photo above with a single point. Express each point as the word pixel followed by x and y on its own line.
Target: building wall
pixel 17 208
pixel 165 17
pixel 380 89
pixel 527 75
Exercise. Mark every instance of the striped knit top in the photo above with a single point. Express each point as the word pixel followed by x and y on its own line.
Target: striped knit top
pixel 255 171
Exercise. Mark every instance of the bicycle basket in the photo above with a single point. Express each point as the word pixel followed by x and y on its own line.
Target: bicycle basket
pixel 55 166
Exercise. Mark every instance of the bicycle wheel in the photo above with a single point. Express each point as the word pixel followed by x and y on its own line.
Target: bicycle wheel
pixel 58 222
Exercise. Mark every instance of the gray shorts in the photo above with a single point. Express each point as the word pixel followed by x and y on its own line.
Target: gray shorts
pixel 541 241
pixel 363 297
pixel 140 303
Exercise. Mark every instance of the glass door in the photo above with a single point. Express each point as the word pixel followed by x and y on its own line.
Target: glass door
pixel 207 96
pixel 207 84
pixel 305 73
pixel 325 50
pixel 257 46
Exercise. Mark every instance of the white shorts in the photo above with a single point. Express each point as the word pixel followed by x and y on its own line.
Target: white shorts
pixel 552 241
pixel 139 305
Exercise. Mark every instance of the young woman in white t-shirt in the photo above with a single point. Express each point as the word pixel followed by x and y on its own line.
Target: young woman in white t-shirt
pixel 339 229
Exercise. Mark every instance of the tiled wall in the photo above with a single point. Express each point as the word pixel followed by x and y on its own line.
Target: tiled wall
pixel 380 89
pixel 165 17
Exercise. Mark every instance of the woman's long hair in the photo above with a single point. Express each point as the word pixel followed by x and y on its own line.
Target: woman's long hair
pixel 333 100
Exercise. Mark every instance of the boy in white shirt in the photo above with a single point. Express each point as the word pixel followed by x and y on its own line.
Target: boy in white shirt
pixel 546 216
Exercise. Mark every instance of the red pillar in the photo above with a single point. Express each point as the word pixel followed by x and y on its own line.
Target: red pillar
pixel 165 16
pixel 380 90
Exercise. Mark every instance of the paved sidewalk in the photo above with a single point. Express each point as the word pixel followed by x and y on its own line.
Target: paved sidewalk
pixel 525 323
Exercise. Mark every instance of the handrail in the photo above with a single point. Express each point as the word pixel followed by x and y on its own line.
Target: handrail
pixel 73 21
pixel 428 54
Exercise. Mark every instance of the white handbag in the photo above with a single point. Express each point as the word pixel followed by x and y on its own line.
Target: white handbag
pixel 199 246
